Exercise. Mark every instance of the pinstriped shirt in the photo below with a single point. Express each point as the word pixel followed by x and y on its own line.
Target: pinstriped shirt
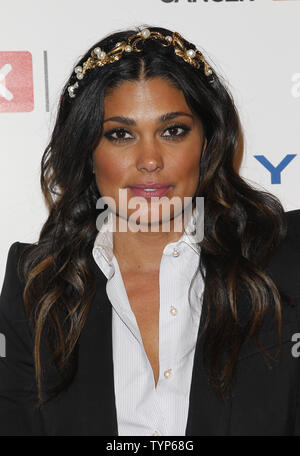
pixel 144 409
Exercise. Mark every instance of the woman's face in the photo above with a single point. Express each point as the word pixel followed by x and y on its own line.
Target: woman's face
pixel 150 136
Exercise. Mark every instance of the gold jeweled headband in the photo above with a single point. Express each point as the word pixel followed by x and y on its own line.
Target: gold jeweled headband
pixel 100 58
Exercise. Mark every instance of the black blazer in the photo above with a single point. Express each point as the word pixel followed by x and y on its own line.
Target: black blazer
pixel 264 400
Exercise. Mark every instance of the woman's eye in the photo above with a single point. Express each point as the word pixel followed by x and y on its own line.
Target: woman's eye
pixel 118 135
pixel 176 131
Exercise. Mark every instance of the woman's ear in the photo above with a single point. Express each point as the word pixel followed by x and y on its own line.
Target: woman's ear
pixel 204 145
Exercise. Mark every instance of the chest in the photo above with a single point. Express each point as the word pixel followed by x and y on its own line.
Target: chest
pixel 143 295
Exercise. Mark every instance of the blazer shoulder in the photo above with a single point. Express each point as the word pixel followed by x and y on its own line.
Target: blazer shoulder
pixel 284 265
pixel 293 224
pixel 13 285
pixel 290 245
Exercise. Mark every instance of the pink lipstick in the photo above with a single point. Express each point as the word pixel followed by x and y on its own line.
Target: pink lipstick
pixel 149 190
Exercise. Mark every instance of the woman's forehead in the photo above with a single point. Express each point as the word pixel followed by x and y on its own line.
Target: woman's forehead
pixel 145 96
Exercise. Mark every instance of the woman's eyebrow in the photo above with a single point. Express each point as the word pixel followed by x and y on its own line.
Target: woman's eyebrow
pixel 129 121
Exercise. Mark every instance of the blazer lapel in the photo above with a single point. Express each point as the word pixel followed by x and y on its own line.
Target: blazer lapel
pixel 207 415
pixel 87 406
pixel 96 364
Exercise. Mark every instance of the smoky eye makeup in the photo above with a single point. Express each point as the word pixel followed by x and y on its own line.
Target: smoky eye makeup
pixel 177 126
pixel 121 134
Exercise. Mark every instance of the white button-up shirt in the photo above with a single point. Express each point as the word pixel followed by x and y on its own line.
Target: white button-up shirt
pixel 144 409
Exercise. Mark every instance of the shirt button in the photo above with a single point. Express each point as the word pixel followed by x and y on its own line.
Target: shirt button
pixel 168 373
pixel 176 252
pixel 156 433
pixel 173 310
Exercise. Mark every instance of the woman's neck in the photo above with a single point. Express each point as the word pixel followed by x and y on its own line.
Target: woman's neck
pixel 142 251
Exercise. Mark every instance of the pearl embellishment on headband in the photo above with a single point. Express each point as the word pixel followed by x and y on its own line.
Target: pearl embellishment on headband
pixel 145 33
pixel 191 53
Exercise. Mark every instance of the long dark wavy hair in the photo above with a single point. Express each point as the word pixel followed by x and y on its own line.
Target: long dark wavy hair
pixel 242 228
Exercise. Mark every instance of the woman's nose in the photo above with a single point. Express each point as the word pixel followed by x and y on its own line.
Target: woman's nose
pixel 149 156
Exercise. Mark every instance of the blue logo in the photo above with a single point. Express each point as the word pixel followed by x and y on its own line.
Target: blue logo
pixel 275 170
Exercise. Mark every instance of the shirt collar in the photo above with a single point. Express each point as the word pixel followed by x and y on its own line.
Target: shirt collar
pixel 104 239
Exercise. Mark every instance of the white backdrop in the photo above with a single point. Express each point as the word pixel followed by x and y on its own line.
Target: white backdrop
pixel 254 44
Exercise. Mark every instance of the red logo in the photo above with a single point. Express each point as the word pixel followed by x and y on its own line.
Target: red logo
pixel 16 82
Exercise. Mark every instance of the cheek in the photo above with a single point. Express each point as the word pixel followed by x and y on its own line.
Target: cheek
pixel 187 167
pixel 109 169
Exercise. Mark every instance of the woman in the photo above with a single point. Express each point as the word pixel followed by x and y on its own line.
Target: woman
pixel 147 332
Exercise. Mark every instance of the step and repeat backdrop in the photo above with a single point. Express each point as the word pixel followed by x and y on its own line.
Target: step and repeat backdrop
pixel 253 44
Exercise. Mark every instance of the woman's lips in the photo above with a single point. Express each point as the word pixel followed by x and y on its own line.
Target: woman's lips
pixel 160 192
